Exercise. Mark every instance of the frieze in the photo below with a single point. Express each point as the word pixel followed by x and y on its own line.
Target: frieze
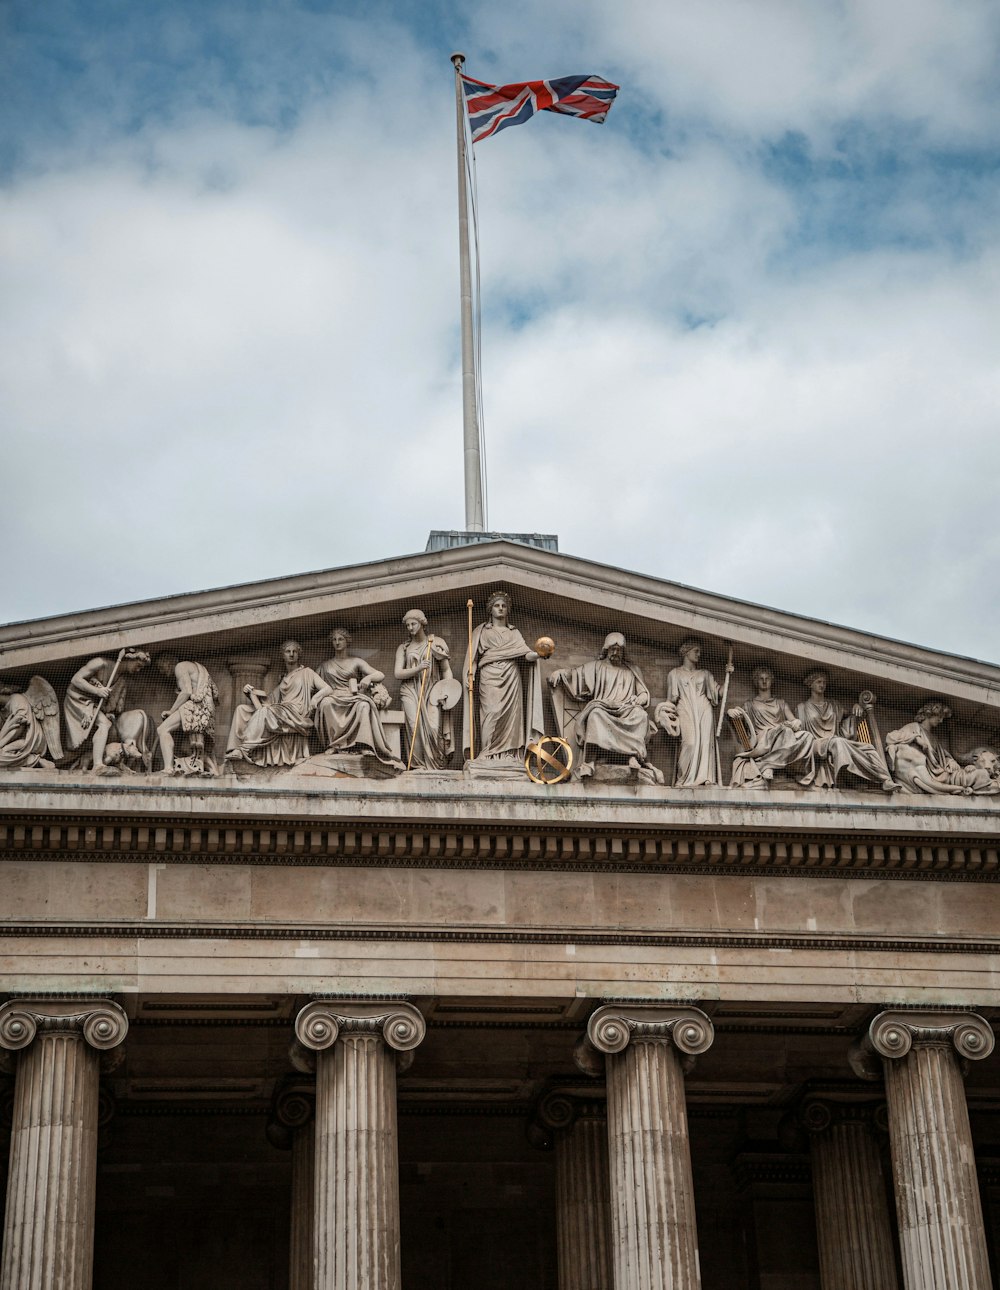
pixel 230 842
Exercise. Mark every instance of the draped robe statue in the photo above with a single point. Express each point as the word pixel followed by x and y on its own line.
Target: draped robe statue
pixel 614 718
pixel 688 713
pixel 920 762
pixel 421 662
pixel 274 729
pixel 780 739
pixel 348 717
pixel 837 745
pixel 507 688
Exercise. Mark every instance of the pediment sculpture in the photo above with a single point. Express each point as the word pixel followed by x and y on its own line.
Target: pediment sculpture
pixel 654 716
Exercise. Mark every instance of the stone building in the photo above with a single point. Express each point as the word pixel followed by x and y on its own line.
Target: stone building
pixel 308 983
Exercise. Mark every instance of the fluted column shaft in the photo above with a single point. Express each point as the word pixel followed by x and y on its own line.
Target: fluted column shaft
pixel 583 1206
pixel 853 1225
pixel 356 1213
pixel 941 1235
pixel 49 1221
pixel 654 1233
pixel 300 1263
pixel 576 1124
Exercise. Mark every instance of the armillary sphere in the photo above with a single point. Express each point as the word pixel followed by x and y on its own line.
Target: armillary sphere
pixel 549 760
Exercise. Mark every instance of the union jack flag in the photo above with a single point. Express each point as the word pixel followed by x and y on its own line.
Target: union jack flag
pixel 493 108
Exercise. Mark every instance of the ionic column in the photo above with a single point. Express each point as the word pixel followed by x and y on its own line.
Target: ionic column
pixel 49 1221
pixel 356 1215
pixel 579 1131
pixel 941 1236
pixel 853 1226
pixel 292 1125
pixel 654 1235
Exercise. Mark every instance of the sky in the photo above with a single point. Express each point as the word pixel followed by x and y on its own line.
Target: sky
pixel 743 336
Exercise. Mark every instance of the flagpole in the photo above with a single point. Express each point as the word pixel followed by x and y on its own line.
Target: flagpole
pixel 470 410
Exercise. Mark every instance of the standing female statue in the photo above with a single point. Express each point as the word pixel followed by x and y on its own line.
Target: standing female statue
pixel 507 687
pixel 421 662
pixel 692 694
pixel 348 718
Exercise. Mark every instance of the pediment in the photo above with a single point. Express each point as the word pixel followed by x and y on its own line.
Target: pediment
pixel 572 601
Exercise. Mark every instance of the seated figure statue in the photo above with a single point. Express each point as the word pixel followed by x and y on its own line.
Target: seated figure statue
pixel 778 738
pixel 273 729
pixel 613 724
pixel 348 716
pixel 920 762
pixel 838 746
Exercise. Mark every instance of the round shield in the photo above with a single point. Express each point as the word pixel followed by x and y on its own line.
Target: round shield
pixel 549 761
pixel 445 694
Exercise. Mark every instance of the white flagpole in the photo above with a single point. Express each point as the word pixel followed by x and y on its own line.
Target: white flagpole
pixel 470 409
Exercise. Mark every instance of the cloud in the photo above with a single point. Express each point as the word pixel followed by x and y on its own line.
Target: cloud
pixel 740 337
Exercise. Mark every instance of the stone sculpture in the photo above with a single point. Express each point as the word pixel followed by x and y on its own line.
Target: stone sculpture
pixel 94 709
pixel 776 736
pixel 920 762
pixel 612 719
pixel 29 733
pixel 838 746
pixel 193 713
pixel 273 729
pixel 348 717
pixel 687 713
pixel 506 690
pixel 422 664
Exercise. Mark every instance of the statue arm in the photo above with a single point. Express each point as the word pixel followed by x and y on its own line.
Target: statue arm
pixel 183 676
pixel 403 673
pixel 369 675
pixel 85 680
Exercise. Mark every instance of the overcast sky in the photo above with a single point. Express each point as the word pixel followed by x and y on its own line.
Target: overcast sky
pixel 745 335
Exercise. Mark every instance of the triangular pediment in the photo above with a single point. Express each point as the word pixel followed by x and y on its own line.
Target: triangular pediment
pixel 574 602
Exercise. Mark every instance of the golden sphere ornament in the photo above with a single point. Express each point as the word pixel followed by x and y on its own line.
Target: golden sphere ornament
pixel 549 760
pixel 545 647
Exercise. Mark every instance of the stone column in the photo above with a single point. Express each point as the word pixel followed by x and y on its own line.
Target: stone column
pixel 941 1235
pixel 292 1126
pixel 853 1224
pixel 654 1235
pixel 49 1222
pixel 356 1237
pixel 579 1131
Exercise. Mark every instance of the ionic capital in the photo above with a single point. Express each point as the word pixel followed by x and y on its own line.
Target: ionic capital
pixel 101 1023
pixel 892 1035
pixel 616 1025
pixel 320 1023
pixel 293 1105
pixel 816 1114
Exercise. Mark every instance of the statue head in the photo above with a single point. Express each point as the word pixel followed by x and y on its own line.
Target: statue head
pixel 414 620
pixel 933 713
pixel 340 637
pixel 134 661
pixel 165 664
pixel 496 598
pixel 817 680
pixel 762 676
pixel 614 647
pixel 291 652
pixel 692 648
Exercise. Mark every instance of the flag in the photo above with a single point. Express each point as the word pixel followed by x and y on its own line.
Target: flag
pixel 492 108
